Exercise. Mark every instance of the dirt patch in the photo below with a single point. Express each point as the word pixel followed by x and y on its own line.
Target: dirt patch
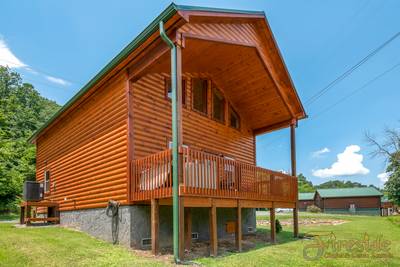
pixel 225 246
pixel 166 258
pixel 314 222
pixel 201 249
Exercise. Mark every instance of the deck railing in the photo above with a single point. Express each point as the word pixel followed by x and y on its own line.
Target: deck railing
pixel 209 175
pixel 152 176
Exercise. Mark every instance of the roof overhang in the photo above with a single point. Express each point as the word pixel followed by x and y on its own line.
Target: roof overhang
pixel 241 72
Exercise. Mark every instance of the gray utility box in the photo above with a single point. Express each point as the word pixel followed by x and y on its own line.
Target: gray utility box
pixel 33 191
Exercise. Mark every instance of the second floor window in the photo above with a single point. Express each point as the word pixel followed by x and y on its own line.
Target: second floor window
pixel 200 95
pixel 234 120
pixel 47 181
pixel 168 90
pixel 218 107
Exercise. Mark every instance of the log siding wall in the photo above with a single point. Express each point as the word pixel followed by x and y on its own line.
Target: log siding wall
pixel 152 123
pixel 359 202
pixel 86 152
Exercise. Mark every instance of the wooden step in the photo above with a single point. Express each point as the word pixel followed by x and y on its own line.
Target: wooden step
pixel 49 219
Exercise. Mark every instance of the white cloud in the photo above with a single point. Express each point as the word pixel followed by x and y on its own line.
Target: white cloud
pixel 384 176
pixel 349 162
pixel 57 80
pixel 7 57
pixel 318 153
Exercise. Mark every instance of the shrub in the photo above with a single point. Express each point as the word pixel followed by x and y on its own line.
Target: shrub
pixel 313 209
pixel 278 226
pixel 10 207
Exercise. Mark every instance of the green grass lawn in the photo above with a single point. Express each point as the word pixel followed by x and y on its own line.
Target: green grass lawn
pixel 56 246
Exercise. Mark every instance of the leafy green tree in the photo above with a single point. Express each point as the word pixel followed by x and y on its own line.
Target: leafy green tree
pixel 22 111
pixel 392 186
pixel 304 185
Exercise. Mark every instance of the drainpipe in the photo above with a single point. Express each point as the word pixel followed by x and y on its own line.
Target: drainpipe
pixel 175 182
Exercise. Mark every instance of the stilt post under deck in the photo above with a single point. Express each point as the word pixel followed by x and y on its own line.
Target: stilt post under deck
pixel 238 233
pixel 155 226
pixel 272 223
pixel 293 163
pixel 213 231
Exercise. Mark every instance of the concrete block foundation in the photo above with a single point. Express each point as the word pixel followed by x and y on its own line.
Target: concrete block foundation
pixel 134 224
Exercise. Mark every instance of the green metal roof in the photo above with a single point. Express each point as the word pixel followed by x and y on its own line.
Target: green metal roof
pixel 349 192
pixel 306 196
pixel 141 38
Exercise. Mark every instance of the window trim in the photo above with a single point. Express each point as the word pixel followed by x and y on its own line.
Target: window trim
pixel 215 89
pixel 207 94
pixel 47 180
pixel 184 90
pixel 238 117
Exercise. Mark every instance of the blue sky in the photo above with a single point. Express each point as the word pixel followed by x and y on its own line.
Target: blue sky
pixel 59 45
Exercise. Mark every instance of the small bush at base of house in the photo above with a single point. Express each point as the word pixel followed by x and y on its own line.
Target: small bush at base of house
pixel 313 209
pixel 278 226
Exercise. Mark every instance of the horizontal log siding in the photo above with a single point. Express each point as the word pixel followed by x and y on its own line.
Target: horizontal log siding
pixel 152 124
pixel 86 152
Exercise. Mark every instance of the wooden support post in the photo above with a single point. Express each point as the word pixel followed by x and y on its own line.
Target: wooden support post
pixel 293 163
pixel 181 228
pixel 155 226
pixel 28 214
pixel 272 223
pixel 296 221
pixel 22 215
pixel 188 228
pixel 238 233
pixel 213 231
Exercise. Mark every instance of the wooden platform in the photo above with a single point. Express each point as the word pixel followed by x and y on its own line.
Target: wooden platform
pixel 52 214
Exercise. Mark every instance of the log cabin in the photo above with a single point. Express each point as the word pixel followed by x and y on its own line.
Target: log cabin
pixel 305 200
pixel 357 200
pixel 167 131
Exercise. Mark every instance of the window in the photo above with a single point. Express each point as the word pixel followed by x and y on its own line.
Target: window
pixel 47 181
pixel 200 95
pixel 195 235
pixel 168 90
pixel 234 120
pixel 218 112
pixel 146 242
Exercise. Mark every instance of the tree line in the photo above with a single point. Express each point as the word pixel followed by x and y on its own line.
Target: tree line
pixel 22 111
pixel 306 186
